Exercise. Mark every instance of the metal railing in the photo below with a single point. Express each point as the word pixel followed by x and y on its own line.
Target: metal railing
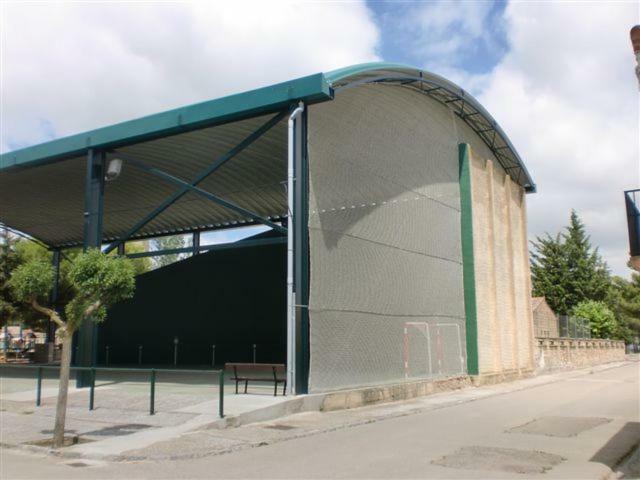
pixel 152 372
pixel 632 203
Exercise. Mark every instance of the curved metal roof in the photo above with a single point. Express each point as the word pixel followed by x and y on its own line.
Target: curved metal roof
pixel 462 103
pixel 42 187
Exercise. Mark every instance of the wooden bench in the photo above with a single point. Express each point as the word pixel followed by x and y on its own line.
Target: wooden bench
pixel 247 372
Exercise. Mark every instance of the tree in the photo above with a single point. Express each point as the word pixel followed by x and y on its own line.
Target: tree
pixel 168 243
pixel 8 261
pixel 98 281
pixel 567 270
pixel 624 301
pixel 601 319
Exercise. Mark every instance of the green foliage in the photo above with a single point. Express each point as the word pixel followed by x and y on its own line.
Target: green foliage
pixel 31 281
pixel 100 281
pixel 624 301
pixel 8 262
pixel 168 243
pixel 601 318
pixel 141 265
pixel 566 270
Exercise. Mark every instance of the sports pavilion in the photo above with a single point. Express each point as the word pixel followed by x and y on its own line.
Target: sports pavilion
pixel 397 247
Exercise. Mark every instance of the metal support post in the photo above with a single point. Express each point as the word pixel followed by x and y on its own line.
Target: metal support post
pixel 92 388
pixel 301 255
pixel 195 243
pixel 122 249
pixel 93 212
pixel 152 393
pixel 221 394
pixel 39 388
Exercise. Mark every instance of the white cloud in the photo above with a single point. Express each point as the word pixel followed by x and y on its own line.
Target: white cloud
pixel 566 95
pixel 68 67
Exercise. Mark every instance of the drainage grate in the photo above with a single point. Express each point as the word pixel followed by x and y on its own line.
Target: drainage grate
pixel 500 459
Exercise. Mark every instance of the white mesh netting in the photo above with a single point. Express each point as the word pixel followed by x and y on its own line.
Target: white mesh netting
pixel 384 230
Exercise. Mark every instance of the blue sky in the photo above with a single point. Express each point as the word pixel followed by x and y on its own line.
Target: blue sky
pixel 408 29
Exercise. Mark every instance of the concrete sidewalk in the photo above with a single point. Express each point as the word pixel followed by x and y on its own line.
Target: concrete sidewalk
pixel 186 425
pixel 120 419
pixel 580 424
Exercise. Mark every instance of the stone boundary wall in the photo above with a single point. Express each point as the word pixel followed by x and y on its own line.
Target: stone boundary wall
pixel 565 353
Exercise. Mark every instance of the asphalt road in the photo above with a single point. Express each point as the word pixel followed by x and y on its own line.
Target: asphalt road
pixel 579 427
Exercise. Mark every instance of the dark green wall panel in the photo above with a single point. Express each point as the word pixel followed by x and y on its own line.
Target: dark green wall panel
pixel 231 298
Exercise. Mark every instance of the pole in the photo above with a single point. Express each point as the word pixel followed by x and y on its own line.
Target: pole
pixel 93 215
pixel 139 354
pixel 152 394
pixel 254 353
pixel 291 296
pixel 213 355
pixel 106 356
pixel 221 394
pixel 92 388
pixel 175 351
pixel 39 387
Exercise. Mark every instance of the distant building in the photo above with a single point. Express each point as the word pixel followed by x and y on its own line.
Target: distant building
pixel 545 321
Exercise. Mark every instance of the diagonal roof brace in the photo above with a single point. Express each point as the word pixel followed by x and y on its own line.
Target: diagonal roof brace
pixel 210 196
pixel 252 137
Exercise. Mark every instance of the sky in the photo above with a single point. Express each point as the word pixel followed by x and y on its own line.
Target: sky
pixel 557 76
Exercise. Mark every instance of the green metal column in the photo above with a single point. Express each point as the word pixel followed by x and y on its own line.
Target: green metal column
pixel 301 253
pixel 93 212
pixel 468 268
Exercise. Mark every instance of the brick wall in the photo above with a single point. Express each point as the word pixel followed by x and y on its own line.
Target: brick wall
pixel 501 261
pixel 544 320
pixel 564 353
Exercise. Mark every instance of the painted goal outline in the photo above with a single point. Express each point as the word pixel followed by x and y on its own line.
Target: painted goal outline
pixel 424 329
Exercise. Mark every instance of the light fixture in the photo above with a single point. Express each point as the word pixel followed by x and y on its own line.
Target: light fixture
pixel 113 170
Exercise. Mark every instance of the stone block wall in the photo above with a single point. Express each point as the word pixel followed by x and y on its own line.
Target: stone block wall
pixel 565 353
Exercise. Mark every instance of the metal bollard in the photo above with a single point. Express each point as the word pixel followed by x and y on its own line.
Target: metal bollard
pixel 175 351
pixel 106 359
pixel 221 394
pixel 39 387
pixel 92 388
pixel 139 354
pixel 213 355
pixel 152 397
pixel 254 353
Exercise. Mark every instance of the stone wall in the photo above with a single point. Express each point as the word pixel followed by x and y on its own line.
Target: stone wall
pixel 565 353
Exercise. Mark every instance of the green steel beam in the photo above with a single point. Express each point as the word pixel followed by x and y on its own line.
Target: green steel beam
pixel 468 267
pixel 93 213
pixel 262 101
pixel 220 161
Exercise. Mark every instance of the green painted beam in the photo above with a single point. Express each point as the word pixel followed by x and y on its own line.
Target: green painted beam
pixel 310 89
pixel 468 267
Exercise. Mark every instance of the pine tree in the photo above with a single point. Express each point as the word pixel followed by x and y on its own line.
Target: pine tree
pixel 567 270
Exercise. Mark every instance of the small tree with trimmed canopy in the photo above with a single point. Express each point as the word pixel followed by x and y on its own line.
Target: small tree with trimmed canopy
pixel 98 281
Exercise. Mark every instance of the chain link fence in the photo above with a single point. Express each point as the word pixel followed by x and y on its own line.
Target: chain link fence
pixel 573 327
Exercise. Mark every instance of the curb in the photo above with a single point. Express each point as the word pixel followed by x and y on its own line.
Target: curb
pixel 327 402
